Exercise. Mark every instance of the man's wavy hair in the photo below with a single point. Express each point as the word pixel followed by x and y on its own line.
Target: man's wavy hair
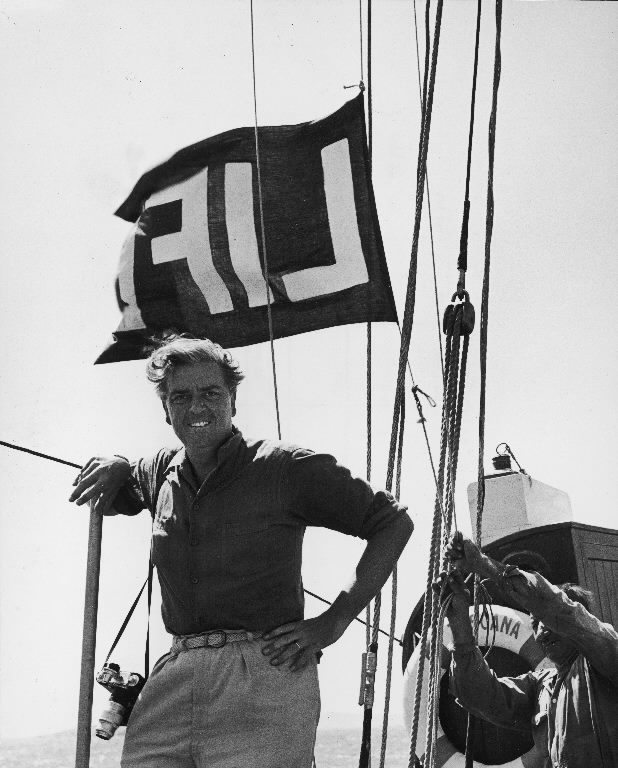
pixel 176 350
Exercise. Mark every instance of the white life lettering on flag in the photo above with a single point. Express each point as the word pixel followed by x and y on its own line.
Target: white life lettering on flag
pixel 350 268
pixel 242 237
pixel 193 241
pixel 194 263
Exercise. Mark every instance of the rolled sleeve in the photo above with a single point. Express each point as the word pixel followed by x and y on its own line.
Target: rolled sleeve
pixel 140 490
pixel 508 702
pixel 326 494
pixel 127 501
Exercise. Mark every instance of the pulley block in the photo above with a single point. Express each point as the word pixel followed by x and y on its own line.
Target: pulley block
pixel 459 313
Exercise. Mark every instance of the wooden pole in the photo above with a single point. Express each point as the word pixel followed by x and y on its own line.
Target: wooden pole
pixel 89 641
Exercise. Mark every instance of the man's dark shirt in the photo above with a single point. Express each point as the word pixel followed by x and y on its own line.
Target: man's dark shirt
pixel 229 553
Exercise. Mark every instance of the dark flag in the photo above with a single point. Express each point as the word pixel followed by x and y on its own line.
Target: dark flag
pixel 194 260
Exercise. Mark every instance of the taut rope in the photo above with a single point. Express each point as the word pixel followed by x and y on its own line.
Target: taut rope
pixel 458 323
pixel 456 326
pixel 263 231
pixel 489 223
pixel 429 216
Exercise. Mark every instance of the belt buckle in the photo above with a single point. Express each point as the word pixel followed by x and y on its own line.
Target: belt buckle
pixel 216 639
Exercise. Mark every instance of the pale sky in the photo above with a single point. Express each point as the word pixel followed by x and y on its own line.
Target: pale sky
pixel 94 94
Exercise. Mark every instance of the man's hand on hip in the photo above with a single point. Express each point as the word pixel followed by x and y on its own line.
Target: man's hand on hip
pixel 297 643
pixel 100 479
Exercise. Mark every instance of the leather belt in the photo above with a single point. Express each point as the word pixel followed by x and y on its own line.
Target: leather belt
pixel 216 638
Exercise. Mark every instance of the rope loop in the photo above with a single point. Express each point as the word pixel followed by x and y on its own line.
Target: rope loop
pixel 429 398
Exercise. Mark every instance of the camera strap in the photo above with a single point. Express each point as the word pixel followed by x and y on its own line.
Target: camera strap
pixel 147 583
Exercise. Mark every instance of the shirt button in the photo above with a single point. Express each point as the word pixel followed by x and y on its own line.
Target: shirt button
pixel 194 580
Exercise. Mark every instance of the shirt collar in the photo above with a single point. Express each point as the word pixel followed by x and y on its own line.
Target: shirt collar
pixel 230 447
pixel 547 677
pixel 226 453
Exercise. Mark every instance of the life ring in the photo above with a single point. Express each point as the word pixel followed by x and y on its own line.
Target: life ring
pixel 513 632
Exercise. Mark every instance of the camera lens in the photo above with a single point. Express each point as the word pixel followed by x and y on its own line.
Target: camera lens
pixel 110 719
pixel 105 730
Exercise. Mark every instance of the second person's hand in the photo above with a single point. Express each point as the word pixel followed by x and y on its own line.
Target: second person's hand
pixel 463 553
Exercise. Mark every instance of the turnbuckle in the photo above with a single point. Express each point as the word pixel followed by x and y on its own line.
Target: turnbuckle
pixel 369 665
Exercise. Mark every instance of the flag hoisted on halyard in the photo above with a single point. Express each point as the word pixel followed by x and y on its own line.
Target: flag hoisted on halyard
pixel 193 262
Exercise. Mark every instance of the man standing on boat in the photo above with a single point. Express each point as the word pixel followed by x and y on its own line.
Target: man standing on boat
pixel 570 708
pixel 239 686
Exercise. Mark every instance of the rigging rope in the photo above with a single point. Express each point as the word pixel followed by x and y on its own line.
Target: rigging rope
pixel 370 152
pixel 369 657
pixel 369 412
pixel 451 426
pixel 433 253
pixel 360 32
pixel 263 232
pixel 458 321
pixel 41 455
pixel 406 330
pixel 489 222
pixel 408 312
pixel 428 599
pixel 369 626
pixel 369 663
pixel 462 262
pixel 456 325
pixel 389 656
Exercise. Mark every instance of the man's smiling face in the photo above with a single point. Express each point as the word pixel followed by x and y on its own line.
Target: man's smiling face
pixel 199 406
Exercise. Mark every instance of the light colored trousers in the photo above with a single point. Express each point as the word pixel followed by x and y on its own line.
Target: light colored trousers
pixel 224 708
